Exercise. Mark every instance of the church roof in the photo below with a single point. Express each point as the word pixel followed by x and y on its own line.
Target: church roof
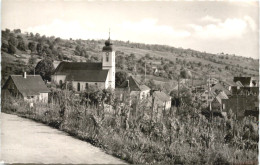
pixel 87 75
pixel 82 71
pixel 65 67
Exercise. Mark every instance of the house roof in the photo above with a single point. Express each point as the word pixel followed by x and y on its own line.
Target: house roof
pixel 87 75
pixel 230 83
pixel 144 88
pixel 244 80
pixel 221 96
pixel 65 67
pixel 82 71
pixel 220 87
pixel 134 85
pixel 161 96
pixel 29 86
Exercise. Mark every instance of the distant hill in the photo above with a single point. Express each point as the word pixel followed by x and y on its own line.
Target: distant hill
pixel 21 51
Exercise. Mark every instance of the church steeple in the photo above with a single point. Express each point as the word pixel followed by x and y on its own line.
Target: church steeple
pixel 108 45
pixel 108 62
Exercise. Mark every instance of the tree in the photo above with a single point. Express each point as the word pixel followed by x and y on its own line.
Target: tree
pixel 17 30
pixel 39 48
pixel 11 49
pixel 31 46
pixel 185 74
pixel 21 45
pixel 45 68
pixel 120 77
pixel 12 41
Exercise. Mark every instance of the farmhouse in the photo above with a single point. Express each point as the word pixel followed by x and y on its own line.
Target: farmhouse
pixel 83 74
pixel 136 90
pixel 28 87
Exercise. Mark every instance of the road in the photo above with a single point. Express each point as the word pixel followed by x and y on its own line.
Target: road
pixel 26 141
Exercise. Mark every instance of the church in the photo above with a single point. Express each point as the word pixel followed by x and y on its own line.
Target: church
pixel 83 74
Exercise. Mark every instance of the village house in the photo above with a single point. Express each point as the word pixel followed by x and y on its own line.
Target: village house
pixel 241 105
pixel 83 74
pixel 216 104
pixel 207 96
pixel 162 100
pixel 132 88
pixel 31 88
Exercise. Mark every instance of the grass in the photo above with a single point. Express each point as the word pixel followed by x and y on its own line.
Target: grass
pixel 140 139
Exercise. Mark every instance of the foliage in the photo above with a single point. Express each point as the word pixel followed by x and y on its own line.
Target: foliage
pixel 11 49
pixel 120 77
pixel 45 68
pixel 31 46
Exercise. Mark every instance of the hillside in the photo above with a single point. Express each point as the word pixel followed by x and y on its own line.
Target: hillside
pixel 20 52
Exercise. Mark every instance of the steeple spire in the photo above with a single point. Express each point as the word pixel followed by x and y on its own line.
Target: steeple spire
pixel 109 35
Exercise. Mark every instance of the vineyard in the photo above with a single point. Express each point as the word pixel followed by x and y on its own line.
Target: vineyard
pixel 142 135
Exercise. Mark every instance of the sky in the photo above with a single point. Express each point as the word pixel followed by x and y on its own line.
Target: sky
pixel 211 26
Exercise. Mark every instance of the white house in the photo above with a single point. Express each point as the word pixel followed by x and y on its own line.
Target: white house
pixel 31 88
pixel 134 89
pixel 83 74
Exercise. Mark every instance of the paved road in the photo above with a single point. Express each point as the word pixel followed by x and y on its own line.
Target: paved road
pixel 26 141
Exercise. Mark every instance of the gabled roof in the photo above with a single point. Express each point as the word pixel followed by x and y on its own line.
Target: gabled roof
pixel 82 71
pixel 161 96
pixel 220 87
pixel 244 80
pixel 29 86
pixel 144 88
pixel 221 96
pixel 87 75
pixel 134 85
pixel 65 67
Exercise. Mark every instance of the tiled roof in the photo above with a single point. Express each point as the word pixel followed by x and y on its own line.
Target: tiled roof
pixel 221 96
pixel 82 71
pixel 144 88
pixel 87 75
pixel 29 86
pixel 65 67
pixel 161 96
pixel 219 87
pixel 134 85
pixel 244 80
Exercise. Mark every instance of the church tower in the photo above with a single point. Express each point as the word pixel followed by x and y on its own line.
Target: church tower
pixel 108 62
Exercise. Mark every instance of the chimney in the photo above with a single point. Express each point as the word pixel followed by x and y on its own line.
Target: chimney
pixel 24 75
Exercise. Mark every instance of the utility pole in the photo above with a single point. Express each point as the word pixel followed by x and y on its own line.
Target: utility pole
pixel 145 71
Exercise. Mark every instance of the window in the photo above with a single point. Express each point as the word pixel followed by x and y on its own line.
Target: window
pixel 96 84
pixel 107 57
pixel 78 86
pixel 86 87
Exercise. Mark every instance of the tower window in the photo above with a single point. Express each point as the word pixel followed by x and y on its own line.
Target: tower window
pixel 86 86
pixel 78 86
pixel 107 57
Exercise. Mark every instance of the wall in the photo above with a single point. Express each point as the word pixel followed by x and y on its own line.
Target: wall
pixel 144 94
pixel 101 85
pixel 110 65
pixel 43 97
pixel 56 78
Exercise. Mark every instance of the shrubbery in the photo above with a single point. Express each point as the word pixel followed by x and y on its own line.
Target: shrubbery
pixel 136 135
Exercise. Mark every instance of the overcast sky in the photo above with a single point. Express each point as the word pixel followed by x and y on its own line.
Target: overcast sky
pixel 215 27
